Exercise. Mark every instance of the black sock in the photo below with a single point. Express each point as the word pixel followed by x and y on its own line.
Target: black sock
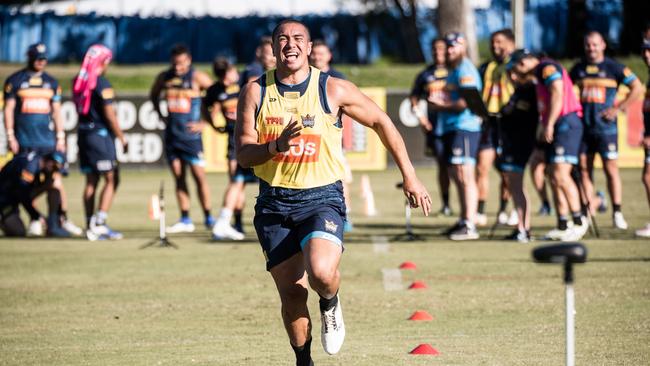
pixel 577 218
pixel 303 354
pixel 546 204
pixel 584 209
pixel 502 205
pixel 562 222
pixel 616 207
pixel 237 216
pixel 481 207
pixel 63 214
pixel 327 304
pixel 206 213
pixel 185 214
pixel 445 199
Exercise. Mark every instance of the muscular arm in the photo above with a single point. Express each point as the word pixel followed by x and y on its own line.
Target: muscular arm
pixel 58 126
pixel 109 112
pixel 351 101
pixel 556 92
pixel 154 94
pixel 636 90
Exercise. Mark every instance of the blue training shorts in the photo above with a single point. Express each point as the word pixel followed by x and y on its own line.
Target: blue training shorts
pixel 567 138
pixel 96 151
pixel 461 147
pixel 606 145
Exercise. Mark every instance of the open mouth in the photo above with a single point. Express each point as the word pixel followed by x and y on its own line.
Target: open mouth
pixel 291 56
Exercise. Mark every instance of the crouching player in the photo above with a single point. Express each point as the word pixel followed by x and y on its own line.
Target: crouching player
pixel 561 130
pixel 21 180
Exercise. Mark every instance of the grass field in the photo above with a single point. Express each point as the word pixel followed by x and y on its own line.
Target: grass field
pixel 72 302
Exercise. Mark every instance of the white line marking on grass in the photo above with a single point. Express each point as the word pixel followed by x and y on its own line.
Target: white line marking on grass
pixel 392 279
pixel 380 244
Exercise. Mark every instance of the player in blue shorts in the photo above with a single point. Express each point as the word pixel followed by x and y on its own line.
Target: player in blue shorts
pixel 98 128
pixel 561 131
pixel 461 133
pixel 264 61
pixel 22 179
pixel 182 86
pixel 34 125
pixel 598 78
pixel 430 81
pixel 221 98
pixel 288 129
pixel 645 232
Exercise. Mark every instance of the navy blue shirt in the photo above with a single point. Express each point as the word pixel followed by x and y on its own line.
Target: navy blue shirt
pixel 336 73
pixel 252 70
pixel 17 179
pixel 227 97
pixel 34 94
pixel 183 107
pixel 96 119
pixel 429 82
pixel 598 85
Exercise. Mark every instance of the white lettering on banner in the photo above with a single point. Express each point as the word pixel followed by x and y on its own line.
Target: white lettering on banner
pixel 143 147
pixel 72 150
pixel 148 117
pixel 126 114
pixel 406 115
pixel 69 115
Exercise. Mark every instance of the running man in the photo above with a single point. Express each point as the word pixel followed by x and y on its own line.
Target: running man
pixel 222 97
pixel 519 120
pixel 21 180
pixel 562 132
pixel 598 78
pixel 98 127
pixel 182 87
pixel 32 107
pixel 429 83
pixel 461 133
pixel 497 91
pixel 645 232
pixel 288 130
pixel 264 61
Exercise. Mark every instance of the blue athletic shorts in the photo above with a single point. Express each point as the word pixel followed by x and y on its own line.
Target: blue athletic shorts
pixel 245 175
pixel 606 145
pixel 461 147
pixel 286 219
pixel 188 151
pixel 96 151
pixel 567 138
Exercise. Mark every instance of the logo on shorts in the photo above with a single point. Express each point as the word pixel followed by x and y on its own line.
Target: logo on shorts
pixel 457 151
pixel 308 121
pixel 559 150
pixel 330 226
pixel 611 147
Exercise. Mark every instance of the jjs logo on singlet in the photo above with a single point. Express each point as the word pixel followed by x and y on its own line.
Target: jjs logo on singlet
pixel 305 149
pixel 593 94
pixel 35 106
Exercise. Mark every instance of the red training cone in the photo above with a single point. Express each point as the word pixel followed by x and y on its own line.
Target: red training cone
pixel 417 285
pixel 408 265
pixel 421 315
pixel 424 349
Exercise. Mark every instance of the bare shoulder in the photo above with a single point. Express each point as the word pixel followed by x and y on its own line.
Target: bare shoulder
pixel 340 91
pixel 250 93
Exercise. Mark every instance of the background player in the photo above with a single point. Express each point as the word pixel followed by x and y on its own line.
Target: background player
pixel 221 98
pixel 645 232
pixel 429 83
pixel 32 106
pixel 462 132
pixel 98 127
pixel 182 86
pixel 598 78
pixel 561 131
pixel 264 61
pixel 294 145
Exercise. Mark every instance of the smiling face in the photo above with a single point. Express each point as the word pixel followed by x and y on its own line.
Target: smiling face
pixel 181 63
pixel 292 46
pixel 595 47
pixel 439 51
pixel 455 53
pixel 501 47
pixel 320 57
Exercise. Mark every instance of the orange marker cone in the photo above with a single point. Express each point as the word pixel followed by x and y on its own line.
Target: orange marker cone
pixel 424 349
pixel 421 315
pixel 408 265
pixel 417 285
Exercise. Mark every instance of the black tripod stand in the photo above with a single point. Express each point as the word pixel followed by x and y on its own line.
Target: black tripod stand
pixel 161 241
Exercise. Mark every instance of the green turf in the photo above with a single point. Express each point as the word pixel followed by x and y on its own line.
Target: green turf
pixel 138 78
pixel 71 302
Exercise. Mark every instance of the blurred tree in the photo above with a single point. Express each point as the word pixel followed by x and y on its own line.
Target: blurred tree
pixel 458 16
pixel 577 24
pixel 636 17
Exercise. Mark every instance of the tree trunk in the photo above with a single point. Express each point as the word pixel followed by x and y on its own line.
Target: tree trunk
pixel 410 32
pixel 577 27
pixel 458 16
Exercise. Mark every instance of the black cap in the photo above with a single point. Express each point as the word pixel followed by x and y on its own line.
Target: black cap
pixel 37 51
pixel 454 39
pixel 646 44
pixel 517 56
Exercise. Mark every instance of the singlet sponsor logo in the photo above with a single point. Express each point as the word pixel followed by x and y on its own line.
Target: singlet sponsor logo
pixel 35 106
pixel 548 70
pixel 274 121
pixel 108 93
pixel 35 81
pixel 27 176
pixel 308 121
pixel 592 69
pixel 440 73
pixel 593 94
pixel 305 149
pixel 330 226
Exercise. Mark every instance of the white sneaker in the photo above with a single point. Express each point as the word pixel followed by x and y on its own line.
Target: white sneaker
pixel 94 231
pixel 577 232
pixel 332 332
pixel 181 227
pixel 513 220
pixel 643 233
pixel 35 228
pixel 223 231
pixel 480 219
pixel 70 227
pixel 556 234
pixel 502 218
pixel 619 221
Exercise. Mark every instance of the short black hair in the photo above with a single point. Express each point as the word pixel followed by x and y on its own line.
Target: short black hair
pixel 220 66
pixel 506 32
pixel 287 21
pixel 319 42
pixel 179 49
pixel 438 39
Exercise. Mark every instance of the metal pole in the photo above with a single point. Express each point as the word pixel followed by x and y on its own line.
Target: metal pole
pixel 162 211
pixel 518 12
pixel 570 325
pixel 407 214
